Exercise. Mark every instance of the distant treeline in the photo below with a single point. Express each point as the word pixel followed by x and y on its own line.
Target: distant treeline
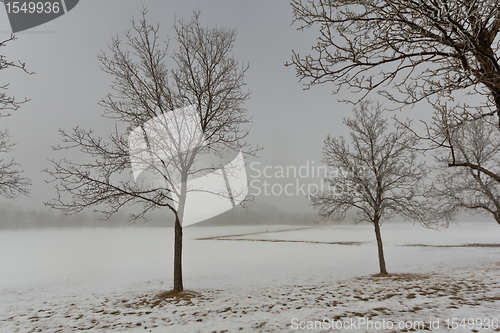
pixel 14 217
pixel 259 214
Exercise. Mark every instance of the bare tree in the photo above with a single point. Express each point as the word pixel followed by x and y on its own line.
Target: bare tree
pixel 472 143
pixel 411 51
pixel 419 48
pixel 207 86
pixel 8 103
pixel 377 174
pixel 12 183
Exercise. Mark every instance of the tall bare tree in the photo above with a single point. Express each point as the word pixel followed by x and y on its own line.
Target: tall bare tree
pixel 12 183
pixel 419 48
pixel 377 174
pixel 459 189
pixel 410 51
pixel 206 80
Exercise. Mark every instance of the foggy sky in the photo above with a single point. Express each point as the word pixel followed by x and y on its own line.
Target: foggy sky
pixel 288 122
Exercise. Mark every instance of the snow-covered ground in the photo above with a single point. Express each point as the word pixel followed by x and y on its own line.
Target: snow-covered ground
pixel 251 279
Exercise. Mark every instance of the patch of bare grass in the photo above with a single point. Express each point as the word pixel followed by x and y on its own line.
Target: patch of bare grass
pixel 399 276
pixel 172 296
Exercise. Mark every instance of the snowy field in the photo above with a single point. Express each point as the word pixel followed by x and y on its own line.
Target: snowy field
pixel 252 279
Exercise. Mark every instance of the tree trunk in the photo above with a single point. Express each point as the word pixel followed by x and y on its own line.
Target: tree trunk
pixel 179 218
pixel 178 255
pixel 381 259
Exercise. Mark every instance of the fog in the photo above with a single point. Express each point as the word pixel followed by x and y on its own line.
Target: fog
pixel 290 123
